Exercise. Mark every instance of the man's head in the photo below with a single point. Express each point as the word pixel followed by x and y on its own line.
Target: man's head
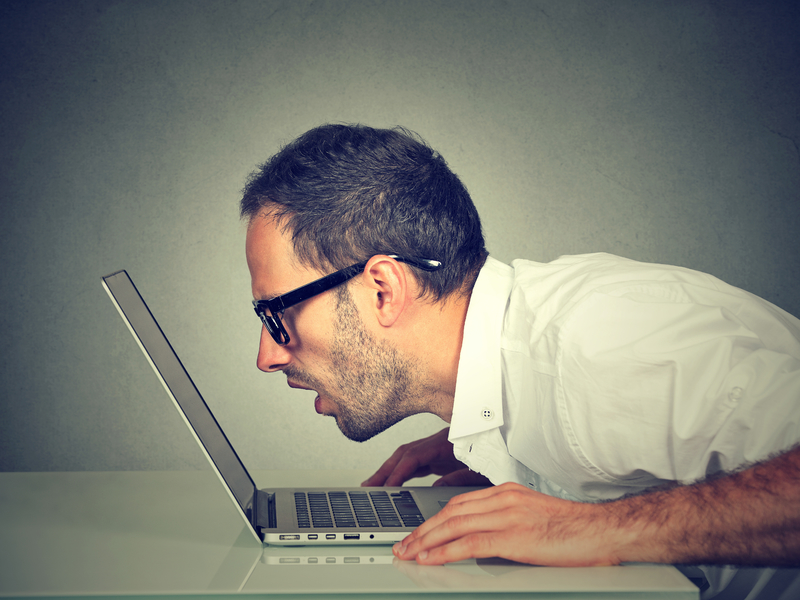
pixel 346 193
pixel 378 201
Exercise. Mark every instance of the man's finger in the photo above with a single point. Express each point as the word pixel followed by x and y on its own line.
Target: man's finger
pixel 401 466
pixel 487 500
pixel 385 470
pixel 433 454
pixel 427 547
pixel 409 467
pixel 472 503
pixel 474 545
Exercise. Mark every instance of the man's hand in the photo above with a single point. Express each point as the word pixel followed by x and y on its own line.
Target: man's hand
pixel 430 455
pixel 510 521
pixel 748 518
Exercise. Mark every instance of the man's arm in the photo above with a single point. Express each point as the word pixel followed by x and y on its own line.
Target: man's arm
pixel 751 517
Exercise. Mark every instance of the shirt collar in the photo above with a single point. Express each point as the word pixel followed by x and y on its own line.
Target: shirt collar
pixel 478 403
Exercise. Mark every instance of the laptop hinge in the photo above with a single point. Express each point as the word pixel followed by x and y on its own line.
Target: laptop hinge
pixel 264 514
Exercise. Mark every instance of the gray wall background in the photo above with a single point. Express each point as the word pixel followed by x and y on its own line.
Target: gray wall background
pixel 661 131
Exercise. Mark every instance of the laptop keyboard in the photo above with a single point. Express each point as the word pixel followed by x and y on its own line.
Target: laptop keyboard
pixel 357 509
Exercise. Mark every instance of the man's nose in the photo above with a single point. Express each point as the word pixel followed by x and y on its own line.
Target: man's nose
pixel 271 356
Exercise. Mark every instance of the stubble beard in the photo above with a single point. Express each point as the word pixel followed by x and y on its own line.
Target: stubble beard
pixel 377 386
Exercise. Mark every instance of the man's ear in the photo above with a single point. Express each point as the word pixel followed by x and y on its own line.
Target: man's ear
pixel 387 282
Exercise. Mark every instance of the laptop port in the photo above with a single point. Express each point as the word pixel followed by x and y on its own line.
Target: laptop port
pixel 312 536
pixel 290 538
pixel 352 536
pixel 330 536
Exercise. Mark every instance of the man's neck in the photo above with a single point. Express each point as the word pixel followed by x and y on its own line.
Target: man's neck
pixel 437 348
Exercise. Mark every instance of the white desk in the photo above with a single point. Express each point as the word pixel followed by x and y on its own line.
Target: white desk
pixel 165 533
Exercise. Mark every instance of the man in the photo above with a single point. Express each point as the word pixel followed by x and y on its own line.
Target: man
pixel 624 411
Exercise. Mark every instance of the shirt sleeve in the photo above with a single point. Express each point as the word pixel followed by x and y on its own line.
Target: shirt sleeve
pixel 675 383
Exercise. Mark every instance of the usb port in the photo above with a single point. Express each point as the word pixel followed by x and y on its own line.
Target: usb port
pixel 290 537
pixel 330 536
pixel 312 536
pixel 352 536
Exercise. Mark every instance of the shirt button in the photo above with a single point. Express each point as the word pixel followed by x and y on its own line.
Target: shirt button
pixel 736 394
pixel 487 413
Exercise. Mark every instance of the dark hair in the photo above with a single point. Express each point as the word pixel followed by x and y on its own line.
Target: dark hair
pixel 349 192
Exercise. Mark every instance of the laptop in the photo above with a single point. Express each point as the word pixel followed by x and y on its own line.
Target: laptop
pixel 282 516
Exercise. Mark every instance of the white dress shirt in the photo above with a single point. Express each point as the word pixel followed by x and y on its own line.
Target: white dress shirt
pixel 594 376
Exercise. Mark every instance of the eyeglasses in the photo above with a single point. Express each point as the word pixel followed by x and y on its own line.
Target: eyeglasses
pixel 270 311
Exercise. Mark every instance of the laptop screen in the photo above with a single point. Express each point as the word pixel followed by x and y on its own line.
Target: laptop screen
pixel 180 387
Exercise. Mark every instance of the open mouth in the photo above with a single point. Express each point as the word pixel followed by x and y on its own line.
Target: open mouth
pixel 317 400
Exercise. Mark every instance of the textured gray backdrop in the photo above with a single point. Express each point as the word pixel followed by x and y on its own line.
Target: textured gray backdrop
pixel 662 131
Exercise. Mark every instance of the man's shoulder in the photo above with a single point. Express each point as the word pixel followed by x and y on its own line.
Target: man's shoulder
pixel 574 276
pixel 601 264
pixel 548 296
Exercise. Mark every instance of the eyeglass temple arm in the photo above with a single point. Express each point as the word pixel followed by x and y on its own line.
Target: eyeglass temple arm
pixel 317 287
pixel 426 264
pixel 339 277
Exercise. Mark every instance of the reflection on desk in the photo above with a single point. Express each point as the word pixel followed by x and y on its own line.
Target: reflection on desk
pixel 148 533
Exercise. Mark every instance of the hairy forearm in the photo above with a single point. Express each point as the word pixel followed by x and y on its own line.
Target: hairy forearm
pixel 748 518
pixel 751 517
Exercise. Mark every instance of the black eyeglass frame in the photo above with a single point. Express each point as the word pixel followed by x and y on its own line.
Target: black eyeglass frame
pixel 276 306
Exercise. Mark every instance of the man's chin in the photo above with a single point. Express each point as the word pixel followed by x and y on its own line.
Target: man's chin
pixel 359 434
pixel 355 436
